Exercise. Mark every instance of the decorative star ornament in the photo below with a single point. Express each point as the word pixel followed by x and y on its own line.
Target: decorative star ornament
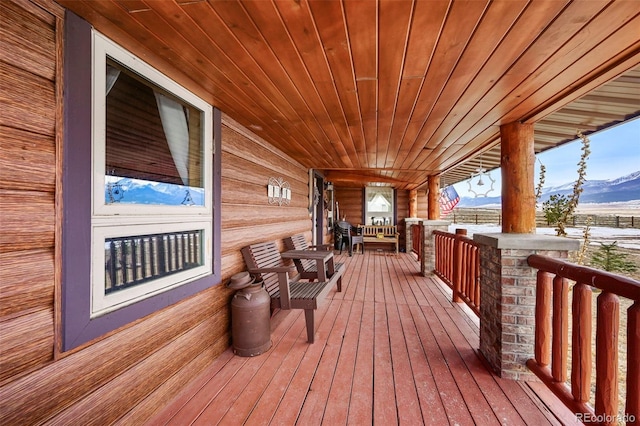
pixel 476 187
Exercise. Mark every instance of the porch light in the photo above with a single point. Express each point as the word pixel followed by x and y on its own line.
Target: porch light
pixel 278 191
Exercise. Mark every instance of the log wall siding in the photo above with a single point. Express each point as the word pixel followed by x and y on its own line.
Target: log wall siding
pixel 155 356
pixel 27 186
pixel 350 204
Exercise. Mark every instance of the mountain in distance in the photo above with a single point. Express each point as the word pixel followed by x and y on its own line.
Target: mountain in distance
pixel 625 188
pixel 138 191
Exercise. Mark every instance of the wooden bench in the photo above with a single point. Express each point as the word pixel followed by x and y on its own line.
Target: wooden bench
pixel 307 268
pixel 283 284
pixel 380 234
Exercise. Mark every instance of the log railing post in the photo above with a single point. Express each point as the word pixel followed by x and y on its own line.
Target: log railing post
pixel 608 317
pixel 543 318
pixel 560 345
pixel 476 276
pixel 633 362
pixel 458 255
pixel 581 343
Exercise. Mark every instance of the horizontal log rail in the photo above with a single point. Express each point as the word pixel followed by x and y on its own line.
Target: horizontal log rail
pixel 416 240
pixel 458 265
pixel 551 338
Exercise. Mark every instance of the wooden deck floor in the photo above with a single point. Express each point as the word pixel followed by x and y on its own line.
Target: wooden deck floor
pixel 390 349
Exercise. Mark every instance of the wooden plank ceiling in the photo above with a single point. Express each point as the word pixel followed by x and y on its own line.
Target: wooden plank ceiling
pixel 389 90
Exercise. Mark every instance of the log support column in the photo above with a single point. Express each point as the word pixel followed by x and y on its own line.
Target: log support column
pixel 433 206
pixel 507 282
pixel 413 203
pixel 518 189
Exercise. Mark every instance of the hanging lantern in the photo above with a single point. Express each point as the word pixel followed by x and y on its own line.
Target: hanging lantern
pixel 480 173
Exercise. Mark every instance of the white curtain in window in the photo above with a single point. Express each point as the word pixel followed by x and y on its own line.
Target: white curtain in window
pixel 176 130
pixel 112 77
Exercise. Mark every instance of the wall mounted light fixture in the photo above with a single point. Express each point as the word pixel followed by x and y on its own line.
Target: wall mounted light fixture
pixel 279 191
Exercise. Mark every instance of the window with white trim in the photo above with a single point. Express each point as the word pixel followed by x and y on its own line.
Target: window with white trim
pixel 152 167
pixel 141 188
pixel 379 205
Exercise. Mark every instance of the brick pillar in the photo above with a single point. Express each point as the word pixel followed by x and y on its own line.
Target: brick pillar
pixel 428 263
pixel 508 297
pixel 408 221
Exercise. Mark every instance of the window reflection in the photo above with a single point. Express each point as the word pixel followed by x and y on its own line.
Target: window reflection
pixel 153 143
pixel 379 205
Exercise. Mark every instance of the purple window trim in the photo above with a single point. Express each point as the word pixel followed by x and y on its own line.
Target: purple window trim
pixel 77 326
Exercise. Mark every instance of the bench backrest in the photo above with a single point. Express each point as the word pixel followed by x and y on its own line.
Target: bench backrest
pixel 264 255
pixel 299 242
pixel 374 230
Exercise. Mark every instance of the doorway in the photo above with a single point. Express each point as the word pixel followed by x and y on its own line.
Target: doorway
pixel 318 208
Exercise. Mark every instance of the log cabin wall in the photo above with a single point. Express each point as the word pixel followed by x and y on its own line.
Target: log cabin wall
pixel 351 205
pixel 125 375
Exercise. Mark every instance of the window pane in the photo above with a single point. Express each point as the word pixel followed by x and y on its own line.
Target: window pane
pixel 154 146
pixel 131 261
pixel 379 206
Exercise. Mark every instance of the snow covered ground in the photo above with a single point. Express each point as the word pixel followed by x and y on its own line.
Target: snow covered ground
pixel 626 237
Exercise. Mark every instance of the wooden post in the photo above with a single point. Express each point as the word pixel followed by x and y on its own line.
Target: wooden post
pixel 433 207
pixel 607 323
pixel 581 343
pixel 633 361
pixel 413 203
pixel 517 167
pixel 457 266
pixel 560 325
pixel 543 318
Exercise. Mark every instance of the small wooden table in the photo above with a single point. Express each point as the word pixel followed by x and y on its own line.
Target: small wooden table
pixel 324 260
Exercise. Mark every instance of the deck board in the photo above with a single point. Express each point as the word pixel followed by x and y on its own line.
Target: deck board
pixel 390 349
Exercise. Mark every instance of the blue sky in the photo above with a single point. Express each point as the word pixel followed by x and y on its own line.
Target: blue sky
pixel 614 153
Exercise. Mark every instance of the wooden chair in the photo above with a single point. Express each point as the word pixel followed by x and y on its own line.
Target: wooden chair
pixel 285 289
pixel 307 268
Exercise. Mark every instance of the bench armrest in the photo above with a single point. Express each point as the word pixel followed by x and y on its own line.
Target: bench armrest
pixel 283 282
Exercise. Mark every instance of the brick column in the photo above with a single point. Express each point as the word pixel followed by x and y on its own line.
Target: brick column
pixel 428 263
pixel 408 221
pixel 508 297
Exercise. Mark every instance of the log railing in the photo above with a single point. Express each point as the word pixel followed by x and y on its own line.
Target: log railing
pixel 416 240
pixel 551 339
pixel 458 265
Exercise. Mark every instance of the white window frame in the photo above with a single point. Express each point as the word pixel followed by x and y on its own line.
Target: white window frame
pixel 109 220
pixel 390 214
